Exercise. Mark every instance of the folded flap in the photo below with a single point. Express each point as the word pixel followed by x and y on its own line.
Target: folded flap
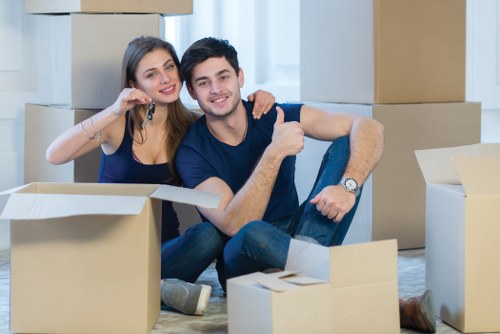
pixel 364 263
pixel 436 164
pixel 21 206
pixel 187 196
pixel 273 283
pixel 15 190
pixel 480 175
pixel 310 259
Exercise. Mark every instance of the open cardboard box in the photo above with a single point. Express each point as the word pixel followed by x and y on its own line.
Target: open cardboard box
pixel 462 233
pixel 361 294
pixel 85 258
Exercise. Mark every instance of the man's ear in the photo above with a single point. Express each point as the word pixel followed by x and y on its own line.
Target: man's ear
pixel 241 78
pixel 191 92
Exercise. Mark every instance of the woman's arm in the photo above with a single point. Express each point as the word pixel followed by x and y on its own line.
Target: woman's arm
pixel 100 129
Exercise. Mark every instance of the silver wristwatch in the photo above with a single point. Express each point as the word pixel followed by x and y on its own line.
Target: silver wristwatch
pixel 350 185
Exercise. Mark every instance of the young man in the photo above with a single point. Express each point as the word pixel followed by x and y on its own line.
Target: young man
pixel 251 162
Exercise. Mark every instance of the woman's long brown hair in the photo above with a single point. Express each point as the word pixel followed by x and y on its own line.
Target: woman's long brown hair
pixel 179 118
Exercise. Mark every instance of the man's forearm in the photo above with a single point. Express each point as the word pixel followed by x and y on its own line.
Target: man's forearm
pixel 367 145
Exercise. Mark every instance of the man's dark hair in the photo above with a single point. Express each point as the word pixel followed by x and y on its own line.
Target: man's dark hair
pixel 201 50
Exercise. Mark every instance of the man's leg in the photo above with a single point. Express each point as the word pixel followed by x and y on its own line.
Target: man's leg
pixel 312 225
pixel 256 247
pixel 187 256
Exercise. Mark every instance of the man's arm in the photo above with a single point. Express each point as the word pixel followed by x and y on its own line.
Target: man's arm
pixel 366 146
pixel 250 202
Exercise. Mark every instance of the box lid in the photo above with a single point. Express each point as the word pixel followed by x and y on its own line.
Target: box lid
pixel 438 167
pixel 55 200
pixel 480 175
pixel 170 7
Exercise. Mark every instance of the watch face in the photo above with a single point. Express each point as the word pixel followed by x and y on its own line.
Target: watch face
pixel 351 184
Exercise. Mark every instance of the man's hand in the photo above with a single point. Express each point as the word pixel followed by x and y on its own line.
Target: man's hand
pixel 334 202
pixel 288 137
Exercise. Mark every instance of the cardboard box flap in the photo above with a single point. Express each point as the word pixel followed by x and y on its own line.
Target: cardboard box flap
pixel 354 264
pixel 21 206
pixel 436 164
pixel 480 175
pixel 17 189
pixel 284 281
pixel 187 196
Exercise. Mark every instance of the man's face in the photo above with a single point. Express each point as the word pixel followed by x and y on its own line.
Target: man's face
pixel 216 87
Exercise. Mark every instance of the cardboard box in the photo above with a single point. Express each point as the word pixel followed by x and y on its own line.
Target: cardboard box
pixel 88 53
pixel 463 215
pixel 396 202
pixel 43 123
pixel 171 7
pixel 383 51
pixel 360 277
pixel 260 303
pixel 85 258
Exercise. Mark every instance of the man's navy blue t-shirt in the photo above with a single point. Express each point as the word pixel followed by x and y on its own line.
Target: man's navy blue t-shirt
pixel 201 156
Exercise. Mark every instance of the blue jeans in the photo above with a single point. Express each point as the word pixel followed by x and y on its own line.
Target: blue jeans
pixel 261 245
pixel 188 255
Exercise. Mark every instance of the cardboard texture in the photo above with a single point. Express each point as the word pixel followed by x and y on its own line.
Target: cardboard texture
pixel 358 277
pixel 170 7
pixel 100 249
pixel 383 51
pixel 396 196
pixel 462 263
pixel 90 49
pixel 43 124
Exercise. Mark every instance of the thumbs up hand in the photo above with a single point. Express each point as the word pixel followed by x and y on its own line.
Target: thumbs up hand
pixel 288 137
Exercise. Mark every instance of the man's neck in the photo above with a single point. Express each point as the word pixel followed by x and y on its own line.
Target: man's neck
pixel 232 129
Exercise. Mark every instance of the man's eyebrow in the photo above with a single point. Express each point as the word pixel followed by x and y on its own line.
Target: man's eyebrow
pixel 216 74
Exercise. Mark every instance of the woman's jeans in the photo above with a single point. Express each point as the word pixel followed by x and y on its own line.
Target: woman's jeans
pixel 261 245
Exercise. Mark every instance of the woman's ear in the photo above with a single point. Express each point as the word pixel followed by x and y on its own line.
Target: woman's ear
pixel 132 84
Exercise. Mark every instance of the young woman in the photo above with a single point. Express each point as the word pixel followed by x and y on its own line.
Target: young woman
pixel 139 135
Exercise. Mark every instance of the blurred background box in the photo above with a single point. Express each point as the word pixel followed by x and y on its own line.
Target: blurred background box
pixel 383 51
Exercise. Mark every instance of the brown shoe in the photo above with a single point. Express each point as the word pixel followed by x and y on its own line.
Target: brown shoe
pixel 418 313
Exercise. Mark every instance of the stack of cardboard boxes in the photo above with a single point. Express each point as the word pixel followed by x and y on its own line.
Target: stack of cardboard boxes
pixel 402 63
pixel 88 41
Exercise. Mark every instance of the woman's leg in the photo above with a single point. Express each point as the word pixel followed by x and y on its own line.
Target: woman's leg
pixel 312 225
pixel 187 256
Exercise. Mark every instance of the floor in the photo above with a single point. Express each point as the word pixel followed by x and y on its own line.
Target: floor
pixel 411 270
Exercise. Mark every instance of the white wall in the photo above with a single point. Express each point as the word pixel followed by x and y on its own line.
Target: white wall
pixel 24 77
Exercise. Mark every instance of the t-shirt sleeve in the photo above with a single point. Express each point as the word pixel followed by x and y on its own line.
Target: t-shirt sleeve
pixel 192 167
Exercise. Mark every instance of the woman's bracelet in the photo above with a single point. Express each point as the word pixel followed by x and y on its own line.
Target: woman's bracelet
pixel 85 132
pixel 97 135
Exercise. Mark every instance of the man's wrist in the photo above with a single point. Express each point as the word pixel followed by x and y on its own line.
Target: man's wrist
pixel 350 185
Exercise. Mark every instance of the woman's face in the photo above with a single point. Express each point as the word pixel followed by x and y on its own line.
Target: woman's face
pixel 158 76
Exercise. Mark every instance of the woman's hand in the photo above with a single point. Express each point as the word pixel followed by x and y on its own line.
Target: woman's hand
pixel 263 102
pixel 128 99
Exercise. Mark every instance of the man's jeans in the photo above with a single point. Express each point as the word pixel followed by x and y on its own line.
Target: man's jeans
pixel 188 255
pixel 261 245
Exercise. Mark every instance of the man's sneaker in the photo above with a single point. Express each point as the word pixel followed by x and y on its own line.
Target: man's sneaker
pixel 188 298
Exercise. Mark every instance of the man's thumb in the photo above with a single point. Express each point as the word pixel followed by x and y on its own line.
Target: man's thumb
pixel 280 118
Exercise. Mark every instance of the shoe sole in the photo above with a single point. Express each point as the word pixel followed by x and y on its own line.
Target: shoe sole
pixel 427 308
pixel 206 290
